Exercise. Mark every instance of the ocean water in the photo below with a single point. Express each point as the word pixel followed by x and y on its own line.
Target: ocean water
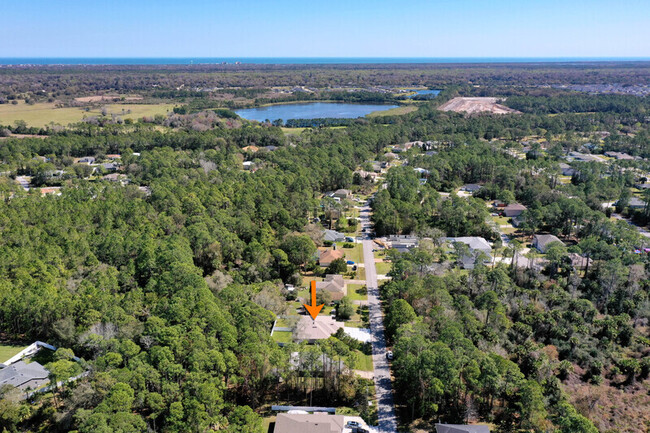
pixel 296 60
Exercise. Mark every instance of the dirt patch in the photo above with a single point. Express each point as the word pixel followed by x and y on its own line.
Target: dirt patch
pixel 102 98
pixel 476 105
pixel 24 136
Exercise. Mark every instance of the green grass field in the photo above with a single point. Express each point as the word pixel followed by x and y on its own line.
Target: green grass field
pixel 41 114
pixel 355 254
pixel 353 293
pixel 7 351
pixel 383 268
pixel 398 111
pixel 364 362
pixel 282 336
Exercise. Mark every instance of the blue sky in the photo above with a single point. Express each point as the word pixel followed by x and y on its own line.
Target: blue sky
pixel 333 28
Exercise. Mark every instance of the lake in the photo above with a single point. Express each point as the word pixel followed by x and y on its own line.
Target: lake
pixel 431 93
pixel 311 110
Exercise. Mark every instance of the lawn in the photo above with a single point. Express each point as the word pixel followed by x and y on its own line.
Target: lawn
pixel 282 336
pixel 353 292
pixel 43 113
pixel 364 362
pixel 7 351
pixel 268 423
pixel 501 220
pixel 383 268
pixel 355 254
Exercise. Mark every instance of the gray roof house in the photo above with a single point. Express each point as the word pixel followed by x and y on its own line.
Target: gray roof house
pixel 566 169
pixel 333 236
pixel 541 242
pixel 403 243
pixel 513 210
pixel 23 375
pixel 334 284
pixel 474 243
pixel 461 428
pixel 471 187
pixel 342 194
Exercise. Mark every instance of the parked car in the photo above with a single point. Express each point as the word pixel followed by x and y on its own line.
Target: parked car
pixel 353 424
pixel 389 355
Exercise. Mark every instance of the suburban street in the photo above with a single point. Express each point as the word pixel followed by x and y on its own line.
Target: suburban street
pixel 383 386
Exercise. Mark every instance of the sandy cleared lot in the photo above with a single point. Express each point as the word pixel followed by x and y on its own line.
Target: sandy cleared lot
pixel 476 105
pixel 101 98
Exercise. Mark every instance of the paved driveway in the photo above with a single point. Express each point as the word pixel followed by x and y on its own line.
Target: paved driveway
pixel 383 386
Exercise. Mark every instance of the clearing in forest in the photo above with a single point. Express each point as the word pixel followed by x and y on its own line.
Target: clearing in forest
pixel 476 105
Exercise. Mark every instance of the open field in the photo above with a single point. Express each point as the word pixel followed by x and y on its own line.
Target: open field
pixel 101 98
pixel 41 114
pixel 397 111
pixel 7 351
pixel 476 105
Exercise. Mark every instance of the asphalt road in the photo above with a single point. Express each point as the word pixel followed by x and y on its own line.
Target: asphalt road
pixel 383 385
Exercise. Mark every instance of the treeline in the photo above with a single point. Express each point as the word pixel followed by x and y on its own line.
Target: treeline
pixel 579 103
pixel 68 81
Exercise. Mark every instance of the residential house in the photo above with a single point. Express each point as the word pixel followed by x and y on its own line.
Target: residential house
pixel 474 243
pixel 471 187
pixel 477 245
pixel 566 169
pixel 85 160
pixel 342 194
pixel 620 155
pixel 51 190
pixel 333 236
pixel 541 242
pixel 270 148
pixel 636 203
pixel 327 256
pixel 113 156
pixel 580 262
pixel 116 177
pixel 390 155
pixel 584 157
pixel 310 423
pixel 368 175
pixel 24 375
pixel 461 428
pixel 402 243
pixel 109 166
pixel 513 210
pixel 251 148
pixel 334 284
pixel 248 165
pixel 310 330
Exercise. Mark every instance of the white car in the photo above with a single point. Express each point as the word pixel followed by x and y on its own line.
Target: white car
pixel 389 355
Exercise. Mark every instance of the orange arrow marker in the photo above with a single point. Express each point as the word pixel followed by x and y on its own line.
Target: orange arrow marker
pixel 313 309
